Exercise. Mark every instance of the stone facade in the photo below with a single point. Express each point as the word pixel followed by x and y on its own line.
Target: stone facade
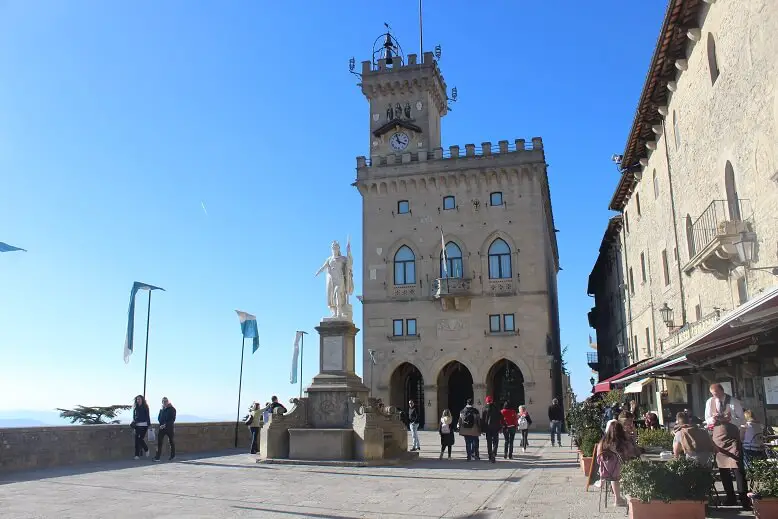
pixel 700 168
pixel 441 334
pixel 608 316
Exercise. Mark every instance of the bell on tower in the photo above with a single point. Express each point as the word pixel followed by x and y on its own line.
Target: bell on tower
pixel 389 51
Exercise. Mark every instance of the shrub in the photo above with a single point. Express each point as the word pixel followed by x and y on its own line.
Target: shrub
pixel 655 438
pixel 583 416
pixel 680 479
pixel 589 440
pixel 763 478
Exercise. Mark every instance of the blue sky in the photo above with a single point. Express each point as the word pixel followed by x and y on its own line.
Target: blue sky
pixel 118 120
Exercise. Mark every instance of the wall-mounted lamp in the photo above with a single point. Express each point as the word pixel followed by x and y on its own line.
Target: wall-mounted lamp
pixel 746 248
pixel 591 381
pixel 667 315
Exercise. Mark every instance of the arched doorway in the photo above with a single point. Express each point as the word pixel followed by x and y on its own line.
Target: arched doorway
pixel 407 384
pixel 455 386
pixel 505 383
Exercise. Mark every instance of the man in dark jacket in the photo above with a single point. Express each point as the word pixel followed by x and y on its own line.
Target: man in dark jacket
pixel 167 419
pixel 491 420
pixel 413 423
pixel 555 417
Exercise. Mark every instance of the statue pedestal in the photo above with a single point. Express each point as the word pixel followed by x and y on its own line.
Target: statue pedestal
pixel 331 391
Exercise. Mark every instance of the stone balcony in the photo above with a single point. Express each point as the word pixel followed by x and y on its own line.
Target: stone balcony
pixel 451 292
pixel 711 238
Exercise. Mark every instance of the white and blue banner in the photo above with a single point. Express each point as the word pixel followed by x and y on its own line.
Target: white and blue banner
pixel 295 357
pixel 249 329
pixel 128 341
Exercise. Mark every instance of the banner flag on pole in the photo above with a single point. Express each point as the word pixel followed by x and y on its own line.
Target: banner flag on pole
pixel 128 345
pixel 445 258
pixel 248 327
pixel 295 357
pixel 4 247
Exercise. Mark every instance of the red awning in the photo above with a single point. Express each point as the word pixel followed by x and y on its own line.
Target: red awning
pixel 605 385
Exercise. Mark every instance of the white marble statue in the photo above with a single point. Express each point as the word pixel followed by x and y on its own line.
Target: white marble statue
pixel 340 282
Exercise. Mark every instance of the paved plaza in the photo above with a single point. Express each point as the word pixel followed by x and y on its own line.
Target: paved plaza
pixel 545 483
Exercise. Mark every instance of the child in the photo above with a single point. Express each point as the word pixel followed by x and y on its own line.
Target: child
pixel 524 422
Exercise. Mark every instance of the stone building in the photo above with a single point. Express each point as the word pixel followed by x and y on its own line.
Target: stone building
pixel 480 317
pixel 608 316
pixel 699 198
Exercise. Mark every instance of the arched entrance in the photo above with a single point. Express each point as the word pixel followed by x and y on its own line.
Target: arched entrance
pixel 407 384
pixel 455 386
pixel 505 383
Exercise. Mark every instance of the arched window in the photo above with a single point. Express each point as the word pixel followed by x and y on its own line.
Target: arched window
pixel 676 134
pixel 452 267
pixel 713 64
pixel 690 237
pixel 656 185
pixel 404 266
pixel 733 199
pixel 499 260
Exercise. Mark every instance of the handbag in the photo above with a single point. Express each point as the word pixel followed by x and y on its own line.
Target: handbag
pixel 248 420
pixel 152 435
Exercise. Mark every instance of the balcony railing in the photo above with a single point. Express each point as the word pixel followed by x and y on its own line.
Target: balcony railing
pixel 592 359
pixel 443 287
pixel 720 218
pixel 689 331
pixel 497 287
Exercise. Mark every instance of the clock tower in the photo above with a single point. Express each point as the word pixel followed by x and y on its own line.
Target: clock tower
pixel 407 100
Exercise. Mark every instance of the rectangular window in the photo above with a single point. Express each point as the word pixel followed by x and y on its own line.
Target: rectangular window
pixel 403 207
pixel 637 203
pixel 643 267
pixel 508 324
pixel 698 312
pixel 410 326
pixel 648 343
pixel 631 282
pixel 397 325
pixel 626 221
pixel 495 198
pixel 494 323
pixel 665 267
pixel 636 347
pixel 449 202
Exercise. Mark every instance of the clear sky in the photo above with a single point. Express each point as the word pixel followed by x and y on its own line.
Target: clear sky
pixel 120 120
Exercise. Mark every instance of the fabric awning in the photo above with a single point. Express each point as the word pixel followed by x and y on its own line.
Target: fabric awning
pixel 637 387
pixel 607 384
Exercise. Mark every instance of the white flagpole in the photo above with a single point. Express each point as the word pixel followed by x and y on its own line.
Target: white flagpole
pixel 443 253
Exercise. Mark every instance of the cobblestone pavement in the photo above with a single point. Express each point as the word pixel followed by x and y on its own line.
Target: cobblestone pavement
pixel 544 483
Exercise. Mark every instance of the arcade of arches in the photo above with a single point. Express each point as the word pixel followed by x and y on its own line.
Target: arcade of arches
pixel 454 385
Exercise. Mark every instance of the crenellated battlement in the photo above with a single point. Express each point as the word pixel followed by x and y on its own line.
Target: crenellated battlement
pixel 471 151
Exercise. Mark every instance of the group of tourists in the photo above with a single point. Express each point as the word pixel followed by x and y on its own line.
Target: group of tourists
pixel 259 415
pixel 141 425
pixel 490 422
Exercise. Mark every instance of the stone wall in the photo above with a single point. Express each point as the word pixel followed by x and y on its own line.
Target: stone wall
pixel 42 447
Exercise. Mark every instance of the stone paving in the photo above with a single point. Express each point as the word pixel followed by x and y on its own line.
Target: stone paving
pixel 544 483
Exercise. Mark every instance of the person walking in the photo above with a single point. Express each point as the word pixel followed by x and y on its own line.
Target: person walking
pixel 167 420
pixel 491 420
pixel 524 422
pixel 469 427
pixel 510 421
pixel 255 415
pixel 413 423
pixel 446 430
pixel 555 417
pixel 141 419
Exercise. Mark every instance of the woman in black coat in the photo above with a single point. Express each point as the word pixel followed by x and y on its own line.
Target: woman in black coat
pixel 446 430
pixel 141 419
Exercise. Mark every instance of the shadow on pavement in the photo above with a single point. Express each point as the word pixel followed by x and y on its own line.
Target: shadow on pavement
pixel 103 466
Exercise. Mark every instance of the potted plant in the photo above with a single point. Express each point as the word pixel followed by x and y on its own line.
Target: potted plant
pixel 584 416
pixel 677 489
pixel 589 440
pixel 655 440
pixel 764 482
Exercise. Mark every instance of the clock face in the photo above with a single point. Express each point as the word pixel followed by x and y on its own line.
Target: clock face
pixel 399 141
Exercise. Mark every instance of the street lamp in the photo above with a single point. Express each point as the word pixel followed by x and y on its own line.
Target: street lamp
pixel 746 248
pixel 591 381
pixel 667 315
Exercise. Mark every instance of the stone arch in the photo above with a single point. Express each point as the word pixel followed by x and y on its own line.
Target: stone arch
pixel 505 383
pixel 455 385
pixel 422 184
pixel 484 251
pixel 407 383
pixel 373 189
pixel 382 188
pixel 393 188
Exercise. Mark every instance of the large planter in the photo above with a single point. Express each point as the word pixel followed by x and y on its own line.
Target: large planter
pixel 766 508
pixel 671 510
pixel 586 464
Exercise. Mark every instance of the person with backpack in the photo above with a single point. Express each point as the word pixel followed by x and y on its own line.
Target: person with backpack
pixel 524 422
pixel 510 422
pixel 469 427
pixel 491 420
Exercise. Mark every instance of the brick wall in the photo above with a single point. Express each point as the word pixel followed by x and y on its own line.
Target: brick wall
pixel 42 447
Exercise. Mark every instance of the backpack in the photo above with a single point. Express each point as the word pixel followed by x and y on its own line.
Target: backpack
pixel 523 423
pixel 468 417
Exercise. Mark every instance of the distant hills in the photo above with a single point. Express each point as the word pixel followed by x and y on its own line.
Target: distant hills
pixel 33 418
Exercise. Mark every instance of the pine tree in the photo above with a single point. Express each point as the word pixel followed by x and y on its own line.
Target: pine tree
pixel 93 415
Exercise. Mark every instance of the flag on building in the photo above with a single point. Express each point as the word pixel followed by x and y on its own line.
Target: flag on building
pixel 444 270
pixel 4 247
pixel 128 341
pixel 295 357
pixel 248 327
